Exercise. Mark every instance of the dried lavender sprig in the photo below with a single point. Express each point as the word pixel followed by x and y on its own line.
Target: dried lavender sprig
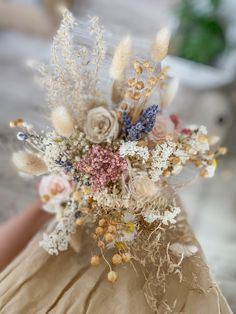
pixel 143 126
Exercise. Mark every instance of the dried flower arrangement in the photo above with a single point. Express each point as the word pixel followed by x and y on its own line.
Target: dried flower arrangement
pixel 110 161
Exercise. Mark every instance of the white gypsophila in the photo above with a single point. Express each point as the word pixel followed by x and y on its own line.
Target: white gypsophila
pixel 58 240
pixel 52 151
pixel 183 155
pixel 113 201
pixel 196 145
pixel 131 149
pixel 160 156
pixel 203 130
pixel 167 217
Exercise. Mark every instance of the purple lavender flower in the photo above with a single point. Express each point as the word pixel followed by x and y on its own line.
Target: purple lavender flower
pixel 67 165
pixel 143 126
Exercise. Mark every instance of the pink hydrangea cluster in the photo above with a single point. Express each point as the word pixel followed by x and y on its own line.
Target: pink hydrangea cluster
pixel 103 165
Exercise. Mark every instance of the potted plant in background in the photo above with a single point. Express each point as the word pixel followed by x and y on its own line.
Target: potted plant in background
pixel 202 52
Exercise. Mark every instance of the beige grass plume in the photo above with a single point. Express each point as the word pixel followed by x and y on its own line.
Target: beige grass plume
pixel 62 121
pixel 121 59
pixel 29 163
pixel 161 45
pixel 169 93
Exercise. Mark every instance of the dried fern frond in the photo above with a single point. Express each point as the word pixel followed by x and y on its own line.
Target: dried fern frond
pixel 121 59
pixel 29 163
pixel 161 44
pixel 169 93
pixel 62 121
pixel 66 79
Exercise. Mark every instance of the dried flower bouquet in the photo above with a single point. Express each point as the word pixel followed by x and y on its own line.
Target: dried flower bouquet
pixel 110 159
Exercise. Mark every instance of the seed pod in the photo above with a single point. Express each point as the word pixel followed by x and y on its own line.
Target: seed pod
pixel 126 257
pixel 95 260
pixel 99 231
pixel 116 259
pixel 102 222
pixel 112 276
pixel 111 229
pixel 79 221
pixel 109 237
pixel 101 245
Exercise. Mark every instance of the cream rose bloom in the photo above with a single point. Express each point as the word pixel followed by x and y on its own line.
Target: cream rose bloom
pixel 163 127
pixel 142 187
pixel 101 125
pixel 57 188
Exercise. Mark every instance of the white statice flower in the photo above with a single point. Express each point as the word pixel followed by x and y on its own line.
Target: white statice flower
pixel 203 130
pixel 53 149
pixel 132 149
pixel 58 240
pixel 160 155
pixel 198 145
pixel 167 217
pixel 183 155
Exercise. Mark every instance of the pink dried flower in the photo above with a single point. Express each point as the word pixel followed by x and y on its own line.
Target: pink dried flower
pixel 175 119
pixel 57 188
pixel 103 165
pixel 186 131
pixel 163 127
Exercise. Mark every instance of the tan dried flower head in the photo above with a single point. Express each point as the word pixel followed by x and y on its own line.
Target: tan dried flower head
pixel 29 163
pixel 169 93
pixel 161 44
pixel 62 121
pixel 121 59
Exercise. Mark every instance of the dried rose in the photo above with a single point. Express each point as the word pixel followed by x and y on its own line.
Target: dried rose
pixel 101 125
pixel 142 187
pixel 58 190
pixel 163 127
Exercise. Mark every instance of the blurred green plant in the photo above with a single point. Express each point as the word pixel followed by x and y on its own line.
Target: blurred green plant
pixel 200 36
